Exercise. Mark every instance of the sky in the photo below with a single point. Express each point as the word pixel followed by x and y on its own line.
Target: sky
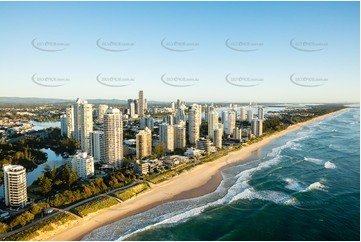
pixel 194 51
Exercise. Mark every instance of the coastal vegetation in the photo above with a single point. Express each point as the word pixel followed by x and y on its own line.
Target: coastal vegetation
pixel 131 192
pixel 95 205
pixel 50 224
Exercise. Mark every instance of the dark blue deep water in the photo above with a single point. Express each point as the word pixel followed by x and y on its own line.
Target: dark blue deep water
pixel 302 186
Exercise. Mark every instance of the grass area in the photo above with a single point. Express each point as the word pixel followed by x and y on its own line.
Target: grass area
pixel 158 178
pixel 48 225
pixel 94 206
pixel 131 192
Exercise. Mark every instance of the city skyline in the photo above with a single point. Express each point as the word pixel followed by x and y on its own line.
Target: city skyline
pixel 221 52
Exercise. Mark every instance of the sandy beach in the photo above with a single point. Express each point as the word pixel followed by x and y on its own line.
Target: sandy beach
pixel 201 180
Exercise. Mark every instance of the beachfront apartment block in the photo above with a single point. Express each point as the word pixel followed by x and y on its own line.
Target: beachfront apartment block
pixel 113 136
pixel 15 192
pixel 82 164
pixel 144 143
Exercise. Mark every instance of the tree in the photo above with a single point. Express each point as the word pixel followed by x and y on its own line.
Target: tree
pixel 68 176
pixel 45 184
pixel 3 228
pixel 53 172
pixel 47 169
pixel 159 150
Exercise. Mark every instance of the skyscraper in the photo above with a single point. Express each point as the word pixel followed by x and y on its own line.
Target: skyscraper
pixel 86 121
pixel 229 121
pixel 15 192
pixel 102 108
pixel 260 113
pixel 172 106
pixel 166 136
pixel 194 125
pixel 237 133
pixel 96 139
pixel 141 104
pixel 146 122
pixel 63 125
pixel 69 112
pixel 144 143
pixel 243 114
pixel 179 116
pixel 113 136
pixel 179 137
pixel 212 123
pixel 257 127
pixel 218 133
pixel 249 115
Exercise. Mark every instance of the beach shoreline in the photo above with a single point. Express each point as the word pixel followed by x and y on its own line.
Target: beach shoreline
pixel 201 180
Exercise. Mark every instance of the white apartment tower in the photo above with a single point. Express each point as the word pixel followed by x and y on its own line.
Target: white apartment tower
pixel 86 121
pixel 15 192
pixel 194 125
pixel 144 143
pixel 212 123
pixel 102 108
pixel 82 164
pixel 229 121
pixel 243 114
pixel 179 137
pixel 113 136
pixel 166 136
pixel 218 133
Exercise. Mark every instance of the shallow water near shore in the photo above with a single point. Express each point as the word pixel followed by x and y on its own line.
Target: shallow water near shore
pixel 302 186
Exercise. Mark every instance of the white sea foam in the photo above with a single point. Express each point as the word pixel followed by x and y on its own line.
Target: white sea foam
pixel 314 160
pixel 315 186
pixel 293 184
pixel 329 165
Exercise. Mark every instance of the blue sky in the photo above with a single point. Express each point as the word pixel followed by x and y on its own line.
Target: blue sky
pixel 276 71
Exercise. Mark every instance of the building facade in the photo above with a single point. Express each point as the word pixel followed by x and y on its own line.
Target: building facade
pixel 15 189
pixel 144 143
pixel 113 136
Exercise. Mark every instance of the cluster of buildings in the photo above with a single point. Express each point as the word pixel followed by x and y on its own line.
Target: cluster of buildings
pixel 177 132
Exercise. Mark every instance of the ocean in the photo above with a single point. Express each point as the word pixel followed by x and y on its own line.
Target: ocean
pixel 302 186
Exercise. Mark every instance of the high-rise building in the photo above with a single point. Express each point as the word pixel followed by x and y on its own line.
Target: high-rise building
pixel 249 115
pixel 113 136
pixel 257 127
pixel 179 137
pixel 229 121
pixel 97 145
pixel 237 133
pixel 69 113
pixel 170 119
pixel 212 123
pixel 102 108
pixel 179 116
pixel 146 122
pixel 243 114
pixel 194 125
pixel 260 113
pixel 179 103
pixel 86 122
pixel 82 164
pixel 172 106
pixel 15 192
pixel 218 133
pixel 63 125
pixel 166 136
pixel 144 143
pixel 141 104
pixel 77 123
pixel 145 104
pixel 205 145
pixel 136 106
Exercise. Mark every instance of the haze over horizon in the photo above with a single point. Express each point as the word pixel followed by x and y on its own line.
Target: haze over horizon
pixel 281 52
